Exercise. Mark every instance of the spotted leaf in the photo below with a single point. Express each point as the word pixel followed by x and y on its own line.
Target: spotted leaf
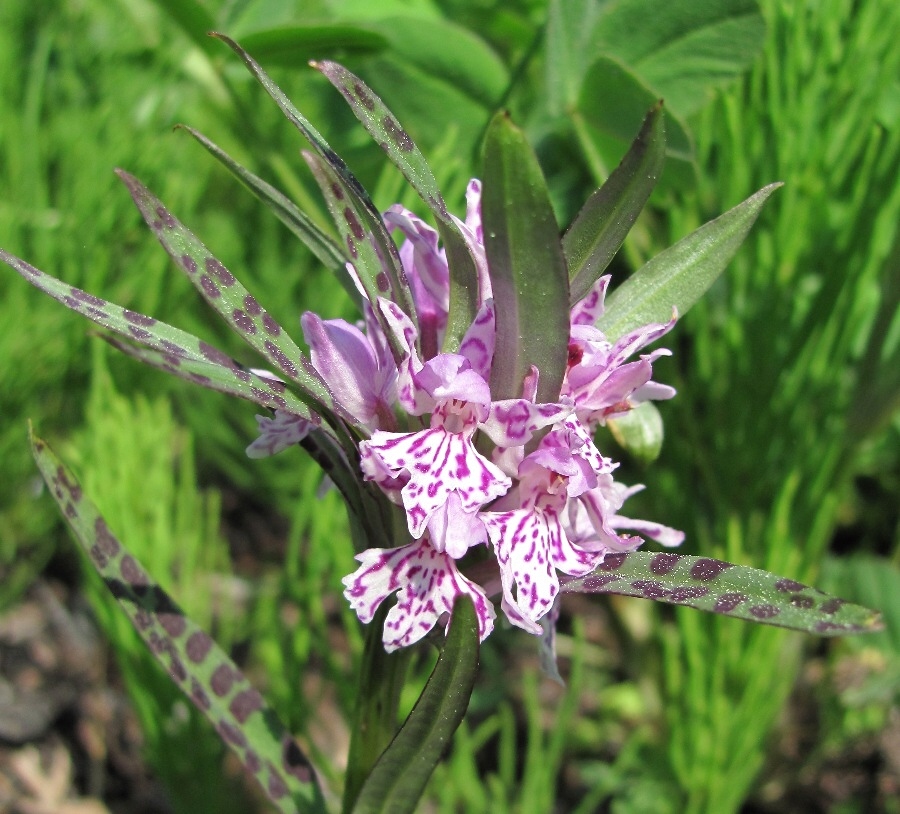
pixel 731 590
pixel 194 662
pixel 402 150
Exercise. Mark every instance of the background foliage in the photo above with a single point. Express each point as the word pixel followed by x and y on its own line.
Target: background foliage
pixel 781 447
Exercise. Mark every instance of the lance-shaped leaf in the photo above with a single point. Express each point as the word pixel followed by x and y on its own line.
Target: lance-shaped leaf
pixel 399 777
pixel 295 45
pixel 402 150
pixel 319 243
pixel 389 277
pixel 731 590
pixel 528 271
pixel 224 292
pixel 680 275
pixel 195 663
pixel 234 381
pixel 599 229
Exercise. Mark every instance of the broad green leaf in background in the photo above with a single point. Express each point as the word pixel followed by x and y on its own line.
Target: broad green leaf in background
pixel 599 229
pixel 528 270
pixel 682 49
pixel 639 431
pixel 294 46
pixel 720 587
pixel 400 775
pixel 193 19
pixel 569 50
pixel 209 679
pixel 680 275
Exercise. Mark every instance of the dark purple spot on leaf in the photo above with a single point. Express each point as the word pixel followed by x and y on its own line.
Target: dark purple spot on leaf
pixel 283 362
pixel 209 287
pixel 787 586
pixel 90 299
pixel 831 605
pixel 215 268
pixel 397 134
pixel 276 787
pixel 171 347
pixel 231 733
pixel 139 333
pixel 802 601
pixel 706 569
pixel 271 326
pixel 828 627
pixel 138 319
pixel 244 704
pixel 243 321
pixel 176 669
pixel 251 306
pixel 382 282
pixel 649 589
pixel 198 695
pixel 728 602
pixel 166 217
pixel 764 611
pixel 143 619
pixel 365 99
pixel 353 222
pixel 222 680
pixel 198 645
pixel 243 375
pixel 612 562
pixel 172 623
pixel 295 762
pixel 685 593
pixel 663 563
pixel 252 761
pixel 351 247
pixel 190 265
pixel 279 402
pixel 337 191
pixel 215 355
pixel 131 573
pixel 99 558
pixel 200 379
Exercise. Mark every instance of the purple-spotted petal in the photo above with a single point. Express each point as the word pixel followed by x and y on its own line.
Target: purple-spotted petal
pixel 427 583
pixel 453 529
pixel 478 343
pixel 438 463
pixel 278 433
pixel 513 422
pixel 588 310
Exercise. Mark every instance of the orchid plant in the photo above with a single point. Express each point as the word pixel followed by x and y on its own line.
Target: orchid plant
pixel 457 418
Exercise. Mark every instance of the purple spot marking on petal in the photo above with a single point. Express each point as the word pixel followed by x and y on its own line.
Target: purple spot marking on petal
pixel 198 646
pixel 172 623
pixel 209 287
pixel 764 611
pixel 190 265
pixel 272 328
pixel 243 321
pixel 707 569
pixel 663 563
pixel 685 593
pixel 283 362
pixel 138 319
pixel 831 605
pixel 804 602
pixel 222 679
pixel 728 602
pixel 398 135
pixel 244 704
pixel 788 586
pixel 251 306
pixel 612 562
pixel 215 268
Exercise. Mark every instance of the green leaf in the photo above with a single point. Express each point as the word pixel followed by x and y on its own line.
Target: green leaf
pixel 170 348
pixel 319 243
pixel 614 101
pixel 730 590
pixel 400 148
pixel 599 229
pixel 682 49
pixel 294 46
pixel 679 276
pixel 400 775
pixel 391 279
pixel 193 19
pixel 570 50
pixel 210 680
pixel 639 431
pixel 528 271
pixel 450 53
pixel 222 290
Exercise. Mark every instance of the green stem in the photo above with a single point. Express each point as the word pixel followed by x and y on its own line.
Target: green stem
pixel 376 721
